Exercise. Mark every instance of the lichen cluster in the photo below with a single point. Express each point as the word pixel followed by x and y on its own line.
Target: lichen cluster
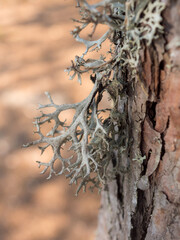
pixel 91 138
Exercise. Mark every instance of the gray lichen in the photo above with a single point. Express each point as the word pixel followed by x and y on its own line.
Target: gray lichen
pixel 130 23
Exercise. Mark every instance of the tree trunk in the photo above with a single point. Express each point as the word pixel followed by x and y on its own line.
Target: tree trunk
pixel 143 202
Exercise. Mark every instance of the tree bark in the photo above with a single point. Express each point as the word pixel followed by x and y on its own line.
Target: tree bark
pixel 143 202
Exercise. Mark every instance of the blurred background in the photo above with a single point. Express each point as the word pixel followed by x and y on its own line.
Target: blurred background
pixel 35 48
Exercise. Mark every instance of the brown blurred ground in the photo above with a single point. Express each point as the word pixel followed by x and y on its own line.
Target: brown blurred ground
pixel 35 47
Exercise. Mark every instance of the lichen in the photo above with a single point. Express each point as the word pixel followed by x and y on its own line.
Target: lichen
pixel 140 159
pixel 130 23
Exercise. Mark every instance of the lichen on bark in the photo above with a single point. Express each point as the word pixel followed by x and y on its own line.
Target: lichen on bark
pixel 101 142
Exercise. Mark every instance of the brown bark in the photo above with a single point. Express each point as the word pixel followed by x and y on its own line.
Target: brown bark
pixel 144 201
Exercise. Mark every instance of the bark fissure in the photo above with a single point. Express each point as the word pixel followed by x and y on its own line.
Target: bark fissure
pixel 151 111
pixel 119 189
pixel 141 218
pixel 163 151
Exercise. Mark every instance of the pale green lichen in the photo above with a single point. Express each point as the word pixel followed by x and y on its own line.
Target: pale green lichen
pixel 140 159
pixel 130 22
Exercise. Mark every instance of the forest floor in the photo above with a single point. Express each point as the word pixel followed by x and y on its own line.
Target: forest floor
pixel 35 48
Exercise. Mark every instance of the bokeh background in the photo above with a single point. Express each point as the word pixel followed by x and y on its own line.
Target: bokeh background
pixel 35 48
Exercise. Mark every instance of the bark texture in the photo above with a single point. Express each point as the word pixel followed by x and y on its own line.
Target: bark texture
pixel 143 202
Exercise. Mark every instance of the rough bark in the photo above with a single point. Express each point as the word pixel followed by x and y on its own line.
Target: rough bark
pixel 144 200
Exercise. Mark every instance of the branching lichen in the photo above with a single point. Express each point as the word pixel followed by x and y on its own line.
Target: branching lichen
pixel 89 143
pixel 92 138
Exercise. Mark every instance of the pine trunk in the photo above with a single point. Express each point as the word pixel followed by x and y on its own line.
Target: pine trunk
pixel 143 202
